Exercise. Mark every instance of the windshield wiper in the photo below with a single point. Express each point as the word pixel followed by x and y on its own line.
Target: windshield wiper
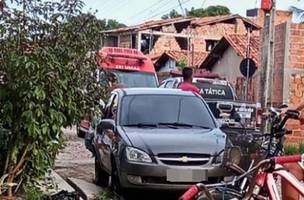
pixel 184 125
pixel 140 125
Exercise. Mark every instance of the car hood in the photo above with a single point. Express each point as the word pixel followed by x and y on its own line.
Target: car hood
pixel 157 141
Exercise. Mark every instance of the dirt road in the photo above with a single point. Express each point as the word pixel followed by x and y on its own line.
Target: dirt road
pixel 77 162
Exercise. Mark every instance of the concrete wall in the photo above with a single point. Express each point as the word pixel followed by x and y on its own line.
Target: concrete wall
pixel 169 65
pixel 229 66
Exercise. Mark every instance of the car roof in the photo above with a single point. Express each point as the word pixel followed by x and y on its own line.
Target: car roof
pixel 155 91
pixel 207 80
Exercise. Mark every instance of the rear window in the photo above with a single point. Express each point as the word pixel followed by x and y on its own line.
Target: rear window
pixel 215 91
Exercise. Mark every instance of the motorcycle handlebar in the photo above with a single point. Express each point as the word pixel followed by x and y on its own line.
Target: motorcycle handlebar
pixel 190 193
pixel 286 159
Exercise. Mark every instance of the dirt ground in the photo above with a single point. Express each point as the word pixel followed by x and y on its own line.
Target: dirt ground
pixel 75 160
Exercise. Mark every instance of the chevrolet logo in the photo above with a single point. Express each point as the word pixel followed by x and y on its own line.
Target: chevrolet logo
pixel 184 159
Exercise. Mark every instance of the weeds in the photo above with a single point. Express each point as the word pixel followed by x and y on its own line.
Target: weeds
pixel 106 194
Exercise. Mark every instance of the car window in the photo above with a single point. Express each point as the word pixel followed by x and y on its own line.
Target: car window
pixel 215 91
pixel 155 109
pixel 111 108
pixel 169 84
pixel 162 85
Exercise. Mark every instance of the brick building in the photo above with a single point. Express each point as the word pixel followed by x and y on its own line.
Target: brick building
pixel 226 56
pixel 179 34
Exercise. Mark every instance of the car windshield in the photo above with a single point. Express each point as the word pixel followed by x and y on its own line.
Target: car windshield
pixel 170 110
pixel 136 79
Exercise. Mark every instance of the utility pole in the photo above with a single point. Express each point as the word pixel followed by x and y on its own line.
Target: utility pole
pixel 181 7
pixel 267 60
pixel 246 85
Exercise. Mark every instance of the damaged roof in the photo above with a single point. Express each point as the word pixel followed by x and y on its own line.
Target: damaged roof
pixel 151 24
pixel 193 21
pixel 178 56
pixel 239 43
pixel 224 18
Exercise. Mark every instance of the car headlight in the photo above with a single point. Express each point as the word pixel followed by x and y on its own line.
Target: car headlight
pixel 137 155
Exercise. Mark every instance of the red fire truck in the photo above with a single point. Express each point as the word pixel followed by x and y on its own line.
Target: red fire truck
pixel 127 67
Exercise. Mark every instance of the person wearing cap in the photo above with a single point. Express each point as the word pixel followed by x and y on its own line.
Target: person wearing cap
pixel 187 84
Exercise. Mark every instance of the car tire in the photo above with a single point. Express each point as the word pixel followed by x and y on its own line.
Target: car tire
pixel 115 181
pixel 101 177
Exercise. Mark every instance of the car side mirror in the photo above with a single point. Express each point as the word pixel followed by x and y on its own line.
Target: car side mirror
pixel 106 124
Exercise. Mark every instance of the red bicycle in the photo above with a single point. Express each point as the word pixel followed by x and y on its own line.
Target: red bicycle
pixel 260 179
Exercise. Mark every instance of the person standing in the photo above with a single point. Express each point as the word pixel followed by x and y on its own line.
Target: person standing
pixel 187 84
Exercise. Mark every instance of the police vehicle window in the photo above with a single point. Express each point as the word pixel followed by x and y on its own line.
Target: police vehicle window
pixel 162 85
pixel 169 84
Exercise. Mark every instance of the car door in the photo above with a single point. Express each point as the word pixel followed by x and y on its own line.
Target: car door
pixel 104 138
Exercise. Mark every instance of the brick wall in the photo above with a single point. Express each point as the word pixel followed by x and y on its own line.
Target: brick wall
pixel 279 54
pixel 296 78
pixel 166 43
pixel 282 16
pixel 297 46
pixel 296 96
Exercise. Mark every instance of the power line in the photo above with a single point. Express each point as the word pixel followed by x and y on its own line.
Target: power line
pixel 163 12
pixel 204 2
pixel 117 6
pixel 181 7
pixel 157 9
pixel 145 10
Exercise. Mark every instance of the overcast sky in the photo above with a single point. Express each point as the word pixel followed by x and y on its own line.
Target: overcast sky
pixel 137 11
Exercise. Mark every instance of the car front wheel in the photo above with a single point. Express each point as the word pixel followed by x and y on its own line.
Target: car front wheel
pixel 101 177
pixel 115 182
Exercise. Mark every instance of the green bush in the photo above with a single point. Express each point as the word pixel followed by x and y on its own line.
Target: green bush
pixel 291 149
pixel 32 193
pixel 105 194
pixel 294 149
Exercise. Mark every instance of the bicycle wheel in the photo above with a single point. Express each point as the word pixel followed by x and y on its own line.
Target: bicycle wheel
pixel 219 194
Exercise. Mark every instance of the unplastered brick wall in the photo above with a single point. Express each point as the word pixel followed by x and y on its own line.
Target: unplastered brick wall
pixel 282 16
pixel 279 54
pixel 296 80
pixel 166 43
pixel 296 96
pixel 215 32
pixel 296 57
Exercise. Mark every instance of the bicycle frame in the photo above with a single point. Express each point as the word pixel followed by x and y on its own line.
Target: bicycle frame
pixel 267 181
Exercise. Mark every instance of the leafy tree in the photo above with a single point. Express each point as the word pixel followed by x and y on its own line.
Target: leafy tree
pixel 299 12
pixel 172 14
pixel 112 24
pixel 209 11
pixel 46 81
pixel 200 12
